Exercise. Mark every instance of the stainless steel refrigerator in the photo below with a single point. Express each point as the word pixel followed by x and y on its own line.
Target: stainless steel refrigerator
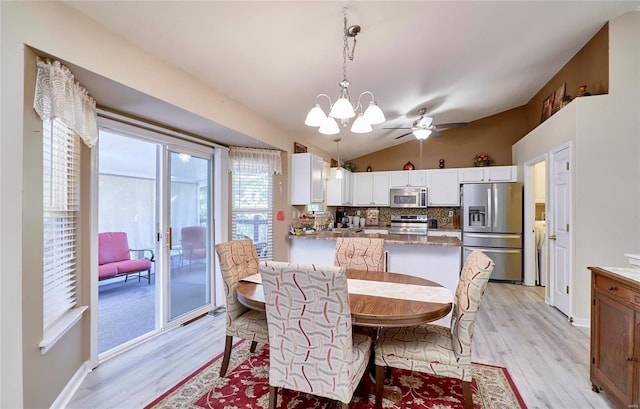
pixel 492 223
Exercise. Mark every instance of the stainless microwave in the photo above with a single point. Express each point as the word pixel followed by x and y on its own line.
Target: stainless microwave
pixel 413 197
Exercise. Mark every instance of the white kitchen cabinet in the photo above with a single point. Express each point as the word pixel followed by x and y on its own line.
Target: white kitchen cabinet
pixel 371 188
pixel 339 190
pixel 403 178
pixel 488 174
pixel 443 188
pixel 307 179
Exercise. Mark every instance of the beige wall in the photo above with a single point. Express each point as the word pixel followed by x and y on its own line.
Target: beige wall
pixel 493 135
pixel 496 134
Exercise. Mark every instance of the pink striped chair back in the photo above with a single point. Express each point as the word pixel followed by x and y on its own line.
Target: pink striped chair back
pixel 361 253
pixel 311 347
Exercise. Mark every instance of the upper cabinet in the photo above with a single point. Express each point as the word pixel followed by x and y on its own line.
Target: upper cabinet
pixel 371 188
pixel 339 192
pixel 443 188
pixel 488 174
pixel 307 179
pixel 403 178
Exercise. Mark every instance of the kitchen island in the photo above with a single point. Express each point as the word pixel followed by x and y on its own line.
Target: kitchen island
pixel 435 258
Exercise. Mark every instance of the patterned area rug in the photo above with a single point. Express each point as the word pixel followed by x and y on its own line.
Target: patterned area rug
pixel 247 386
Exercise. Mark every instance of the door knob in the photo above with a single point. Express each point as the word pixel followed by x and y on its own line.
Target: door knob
pixel 552 237
pixel 628 358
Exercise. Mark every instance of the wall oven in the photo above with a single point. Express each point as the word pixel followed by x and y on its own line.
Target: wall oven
pixel 411 197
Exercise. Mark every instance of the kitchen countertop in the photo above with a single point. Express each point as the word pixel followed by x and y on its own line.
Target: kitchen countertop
pixel 410 239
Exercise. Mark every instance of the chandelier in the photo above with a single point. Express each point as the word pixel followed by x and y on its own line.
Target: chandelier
pixel 343 109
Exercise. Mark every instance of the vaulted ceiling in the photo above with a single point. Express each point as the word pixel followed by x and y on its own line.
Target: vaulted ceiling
pixel 462 60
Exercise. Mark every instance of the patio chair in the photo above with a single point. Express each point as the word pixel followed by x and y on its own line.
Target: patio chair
pixel 115 258
pixel 194 243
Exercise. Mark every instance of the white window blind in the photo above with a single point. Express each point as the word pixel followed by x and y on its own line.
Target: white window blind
pixel 61 177
pixel 252 209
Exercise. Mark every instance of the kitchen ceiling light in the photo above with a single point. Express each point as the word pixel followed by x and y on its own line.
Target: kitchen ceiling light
pixel 343 109
pixel 339 170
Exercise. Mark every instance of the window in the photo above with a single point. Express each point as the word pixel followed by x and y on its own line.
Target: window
pixel 61 153
pixel 251 209
pixel 252 196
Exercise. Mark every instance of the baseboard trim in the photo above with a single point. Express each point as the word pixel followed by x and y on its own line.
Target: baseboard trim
pixel 63 399
pixel 581 322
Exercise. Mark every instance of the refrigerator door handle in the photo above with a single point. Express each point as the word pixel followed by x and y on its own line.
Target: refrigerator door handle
pixel 490 212
pixel 492 236
pixel 494 250
pixel 496 209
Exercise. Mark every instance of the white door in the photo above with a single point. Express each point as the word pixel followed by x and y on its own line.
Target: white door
pixel 559 227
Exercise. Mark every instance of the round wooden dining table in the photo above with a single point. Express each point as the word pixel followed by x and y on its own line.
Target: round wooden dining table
pixel 375 311
pixel 369 310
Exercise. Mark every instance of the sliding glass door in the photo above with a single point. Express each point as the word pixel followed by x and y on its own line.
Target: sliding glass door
pixel 189 241
pixel 156 193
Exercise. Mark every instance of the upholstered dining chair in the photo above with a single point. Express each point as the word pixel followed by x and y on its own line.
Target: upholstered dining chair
pixel 361 253
pixel 311 346
pixel 238 259
pixel 435 349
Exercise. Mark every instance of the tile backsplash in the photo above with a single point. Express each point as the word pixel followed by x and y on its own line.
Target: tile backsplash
pixel 439 213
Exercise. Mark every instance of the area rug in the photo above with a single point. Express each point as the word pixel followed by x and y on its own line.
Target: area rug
pixel 246 385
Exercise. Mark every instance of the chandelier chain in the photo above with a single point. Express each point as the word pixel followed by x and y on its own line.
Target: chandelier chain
pixel 345 49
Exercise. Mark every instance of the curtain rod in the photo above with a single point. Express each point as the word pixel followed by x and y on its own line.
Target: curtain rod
pixel 149 126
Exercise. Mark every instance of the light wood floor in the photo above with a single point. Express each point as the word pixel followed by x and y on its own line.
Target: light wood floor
pixel 547 357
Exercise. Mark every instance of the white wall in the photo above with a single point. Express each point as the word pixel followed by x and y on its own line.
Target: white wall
pixel 606 155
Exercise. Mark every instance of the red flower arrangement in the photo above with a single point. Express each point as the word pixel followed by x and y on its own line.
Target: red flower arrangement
pixel 482 159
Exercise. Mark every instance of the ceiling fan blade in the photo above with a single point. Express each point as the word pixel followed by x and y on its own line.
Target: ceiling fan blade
pixel 435 133
pixel 403 135
pixel 442 127
pixel 398 128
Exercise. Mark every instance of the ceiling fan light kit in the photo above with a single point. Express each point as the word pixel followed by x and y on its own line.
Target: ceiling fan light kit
pixel 423 127
pixel 421 134
pixel 343 109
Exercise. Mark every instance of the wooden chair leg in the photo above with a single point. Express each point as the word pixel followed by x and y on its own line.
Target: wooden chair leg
pixel 365 384
pixel 467 395
pixel 227 355
pixel 380 371
pixel 254 344
pixel 273 397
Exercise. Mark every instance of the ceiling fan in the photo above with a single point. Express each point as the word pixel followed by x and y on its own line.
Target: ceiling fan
pixel 424 127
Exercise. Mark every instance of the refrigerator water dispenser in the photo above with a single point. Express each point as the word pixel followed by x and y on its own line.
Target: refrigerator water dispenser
pixel 477 216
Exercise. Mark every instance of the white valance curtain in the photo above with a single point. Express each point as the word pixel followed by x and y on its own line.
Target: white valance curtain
pixel 59 96
pixel 254 160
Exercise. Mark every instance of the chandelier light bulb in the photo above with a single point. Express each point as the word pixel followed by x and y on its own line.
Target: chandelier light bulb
pixel 315 117
pixel 374 114
pixel 329 127
pixel 361 125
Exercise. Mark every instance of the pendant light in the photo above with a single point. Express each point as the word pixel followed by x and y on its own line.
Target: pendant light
pixel 339 170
